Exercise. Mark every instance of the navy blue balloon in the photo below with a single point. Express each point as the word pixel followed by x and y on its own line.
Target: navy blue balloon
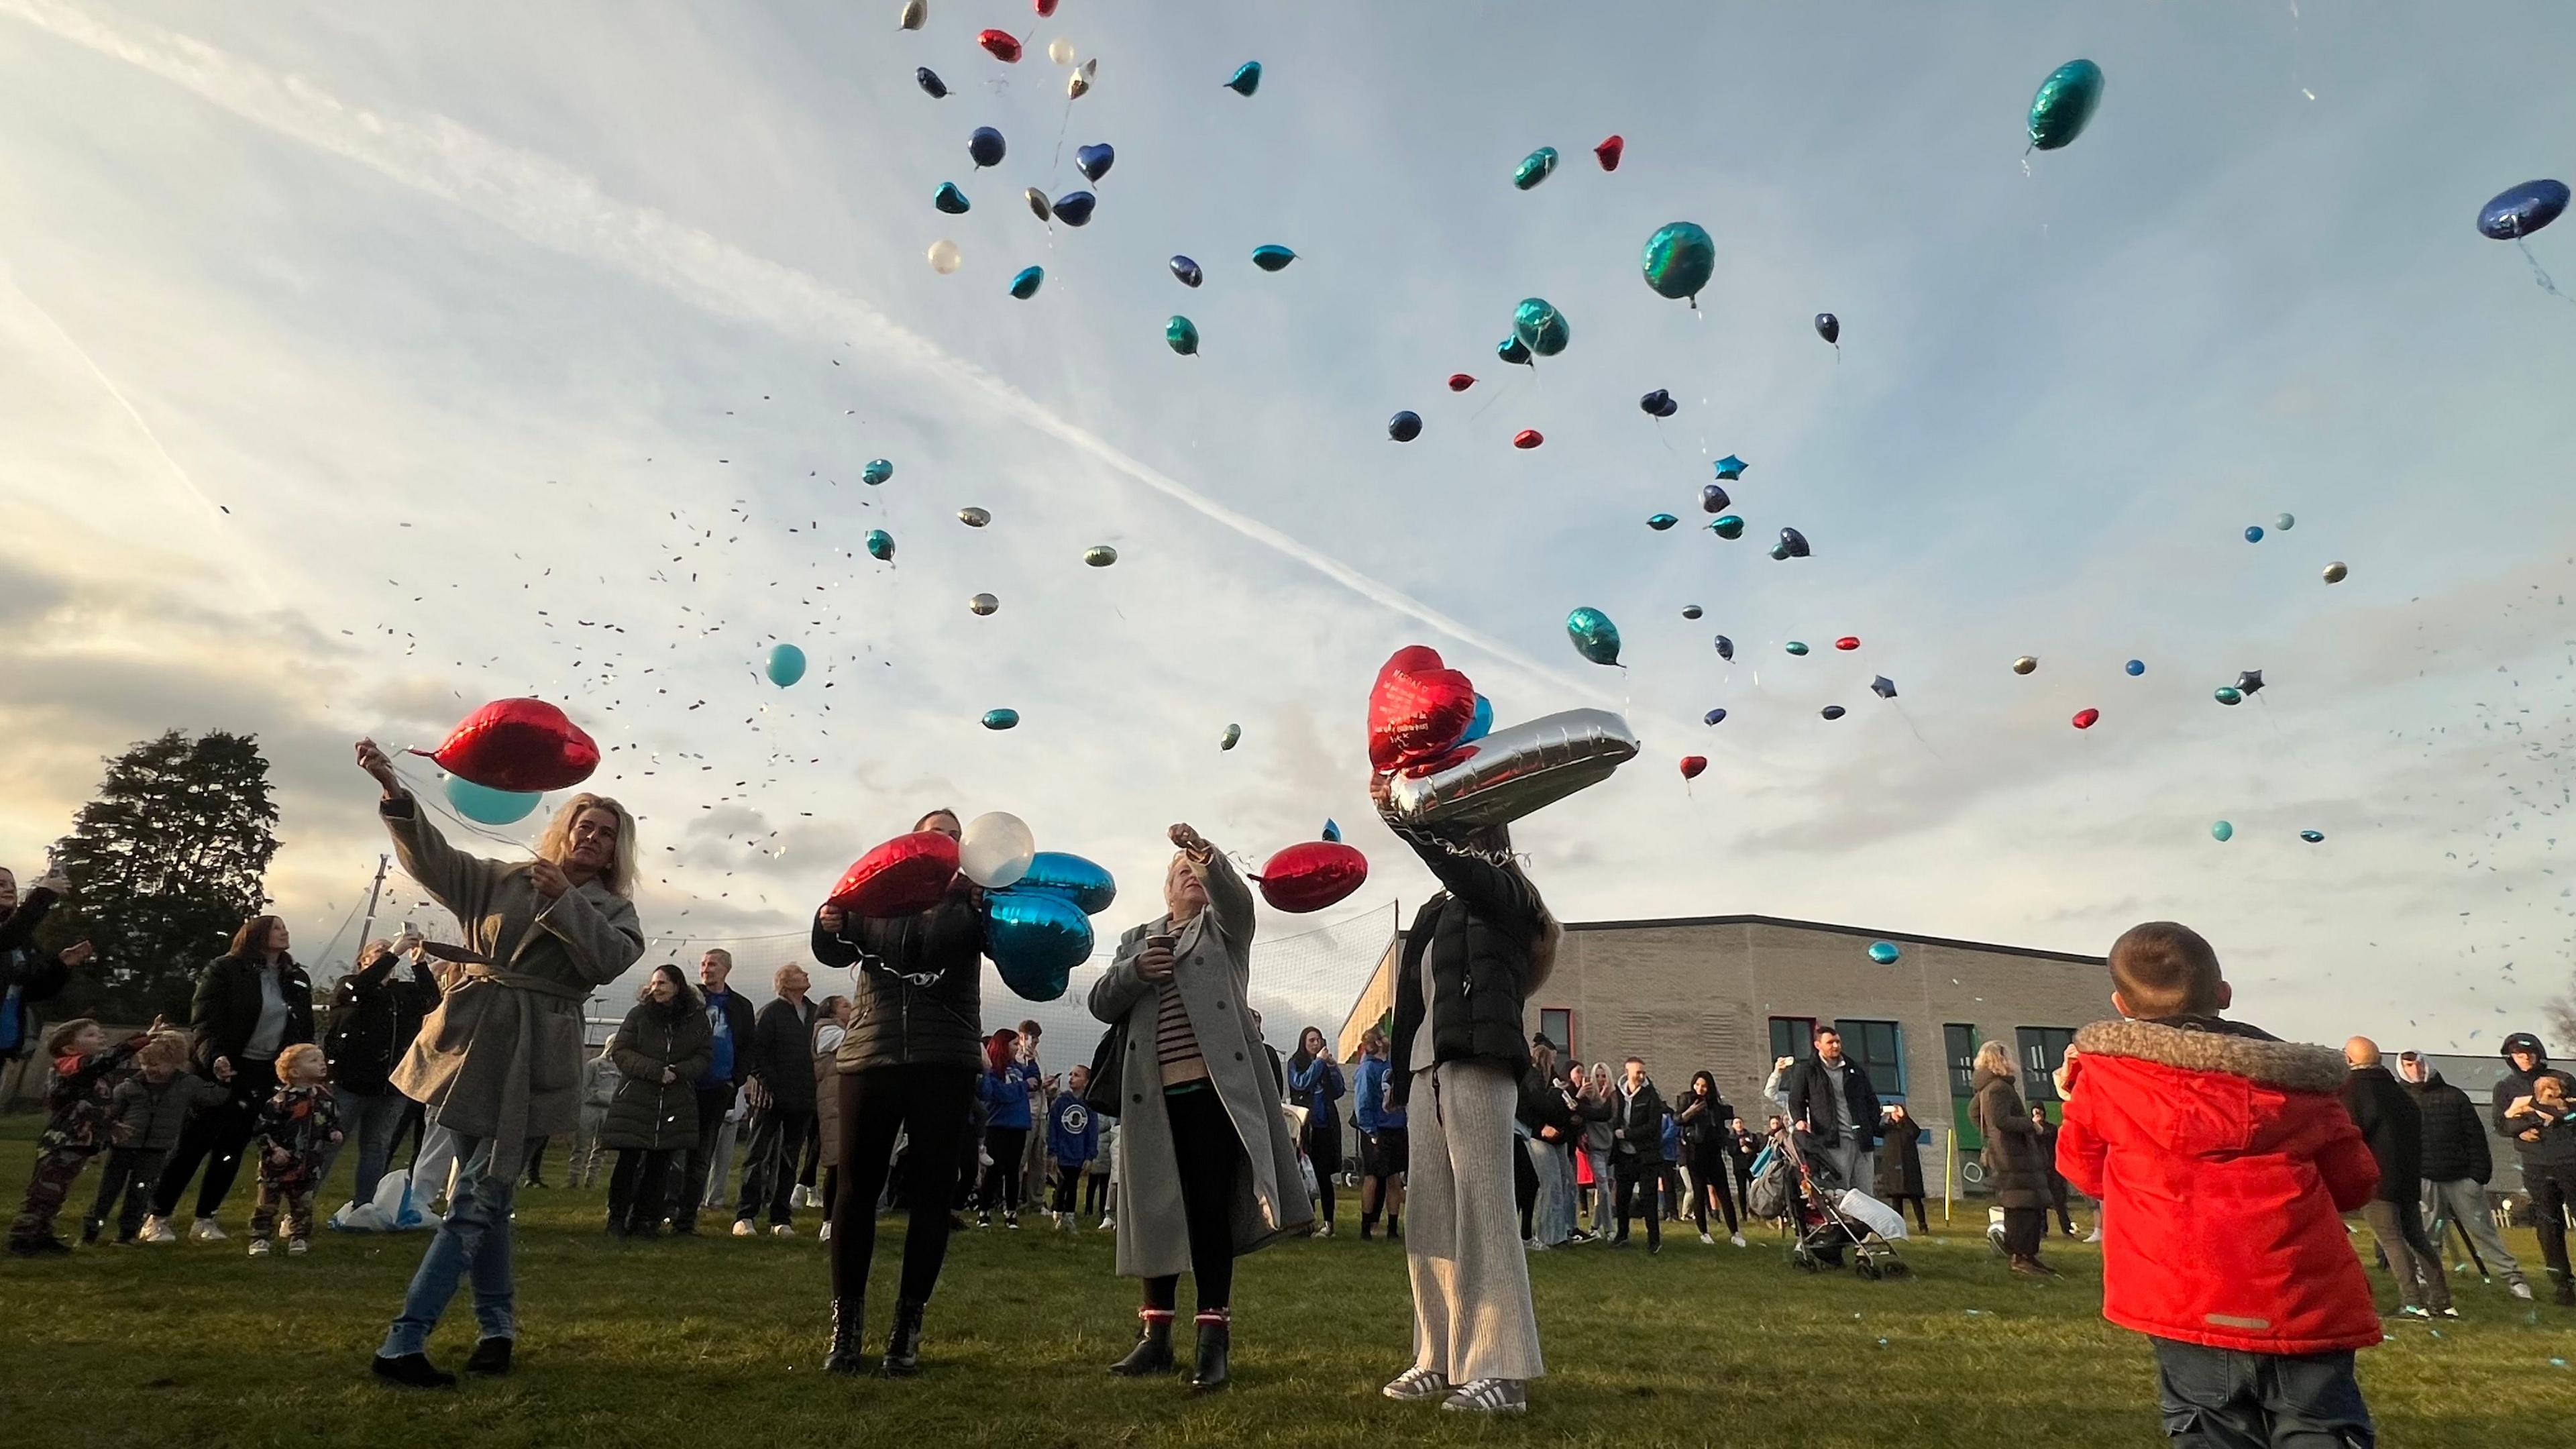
pixel 987 147
pixel 1712 498
pixel 1094 161
pixel 929 81
pixel 1187 271
pixel 1074 207
pixel 1404 427
pixel 1658 404
pixel 1725 647
pixel 1883 687
pixel 1832 711
pixel 1829 327
pixel 1793 544
pixel 2523 210
pixel 1715 716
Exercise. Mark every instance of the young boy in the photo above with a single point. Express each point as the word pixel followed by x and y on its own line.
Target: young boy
pixel 145 1115
pixel 86 1073
pixel 1073 1140
pixel 1098 1182
pixel 298 1126
pixel 2223 1160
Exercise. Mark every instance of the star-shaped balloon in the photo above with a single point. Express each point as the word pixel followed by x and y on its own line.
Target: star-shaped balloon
pixel 2250 681
pixel 1883 687
pixel 1731 467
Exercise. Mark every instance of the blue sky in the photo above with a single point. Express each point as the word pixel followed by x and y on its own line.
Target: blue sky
pixel 368 367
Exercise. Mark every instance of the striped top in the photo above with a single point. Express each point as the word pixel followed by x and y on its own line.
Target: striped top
pixel 1176 1047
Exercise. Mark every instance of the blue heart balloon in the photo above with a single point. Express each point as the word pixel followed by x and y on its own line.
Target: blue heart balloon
pixel 1332 831
pixel 2135 667
pixel 487 806
pixel 1074 207
pixel 1716 716
pixel 1247 78
pixel 949 200
pixel 1535 167
pixel 1078 880
pixel 987 147
pixel 929 81
pixel 1713 499
pixel 2523 210
pixel 1479 724
pixel 1272 258
pixel 1026 284
pixel 1094 161
pixel 1035 938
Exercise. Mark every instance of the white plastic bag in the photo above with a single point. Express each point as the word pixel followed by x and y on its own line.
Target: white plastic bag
pixel 1868 1211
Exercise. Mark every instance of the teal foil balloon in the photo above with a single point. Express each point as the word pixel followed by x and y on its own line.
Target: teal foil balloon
pixel 786 665
pixel 1535 167
pixel 1795 646
pixel 2064 104
pixel 1513 351
pixel 1726 525
pixel 1001 719
pixel 1247 78
pixel 1538 326
pixel 2222 832
pixel 1594 636
pixel 1883 952
pixel 2228 694
pixel 877 471
pixel 1661 521
pixel 1233 737
pixel 950 200
pixel 880 545
pixel 1026 284
pixel 1272 258
pixel 1479 725
pixel 1035 939
pixel 1183 334
pixel 2312 836
pixel 1678 261
pixel 1057 872
pixel 486 806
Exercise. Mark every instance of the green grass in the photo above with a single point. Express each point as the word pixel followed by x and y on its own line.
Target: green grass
pixel 715 1341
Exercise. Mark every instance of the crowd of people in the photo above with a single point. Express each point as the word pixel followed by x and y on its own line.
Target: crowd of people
pixel 1195 1143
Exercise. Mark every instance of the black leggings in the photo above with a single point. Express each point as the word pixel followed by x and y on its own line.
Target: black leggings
pixel 1068 1175
pixel 1324 1149
pixel 639 1189
pixel 1708 1169
pixel 1095 1193
pixel 1899 1201
pixel 216 1137
pixel 1009 1147
pixel 930 1104
pixel 1524 1184
pixel 1210 1158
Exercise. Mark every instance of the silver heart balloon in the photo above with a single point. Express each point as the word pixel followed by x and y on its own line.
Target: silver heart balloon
pixel 1515 771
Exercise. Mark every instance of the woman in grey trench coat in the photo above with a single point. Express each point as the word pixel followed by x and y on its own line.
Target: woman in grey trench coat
pixel 499 1061
pixel 1207 1171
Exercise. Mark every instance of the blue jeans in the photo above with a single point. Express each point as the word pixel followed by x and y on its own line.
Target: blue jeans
pixel 367 1119
pixel 474 1238
pixel 2217 1398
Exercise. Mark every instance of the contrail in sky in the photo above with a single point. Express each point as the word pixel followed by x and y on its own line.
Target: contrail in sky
pixel 554 206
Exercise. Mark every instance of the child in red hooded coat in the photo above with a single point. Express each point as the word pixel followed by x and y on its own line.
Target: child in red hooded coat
pixel 2224 1160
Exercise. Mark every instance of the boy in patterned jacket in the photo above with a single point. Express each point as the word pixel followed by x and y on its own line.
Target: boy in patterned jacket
pixel 87 1072
pixel 298 1126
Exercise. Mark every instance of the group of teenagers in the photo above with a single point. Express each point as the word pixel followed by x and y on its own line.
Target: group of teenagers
pixel 2224 1158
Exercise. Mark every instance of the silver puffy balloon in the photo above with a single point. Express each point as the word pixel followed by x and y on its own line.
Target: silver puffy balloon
pixel 1516 771
pixel 982 604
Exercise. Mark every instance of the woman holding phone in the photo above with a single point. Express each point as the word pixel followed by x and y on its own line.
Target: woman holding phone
pixel 1207 1171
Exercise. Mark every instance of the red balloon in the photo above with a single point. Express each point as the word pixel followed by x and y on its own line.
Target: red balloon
pixel 1609 151
pixel 1527 438
pixel 905 876
pixel 1046 9
pixel 1848 642
pixel 1311 875
pixel 1692 765
pixel 2084 718
pixel 999 42
pixel 1417 708
pixel 521 745
pixel 1460 382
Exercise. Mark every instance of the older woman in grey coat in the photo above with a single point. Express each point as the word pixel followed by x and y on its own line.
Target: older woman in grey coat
pixel 499 1061
pixel 1207 1171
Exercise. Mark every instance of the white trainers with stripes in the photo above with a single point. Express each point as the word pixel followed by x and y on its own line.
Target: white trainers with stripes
pixel 1415 1384
pixel 1489 1396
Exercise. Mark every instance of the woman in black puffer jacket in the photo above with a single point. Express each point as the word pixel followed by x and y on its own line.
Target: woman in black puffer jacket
pixel 661 1050
pixel 908 1064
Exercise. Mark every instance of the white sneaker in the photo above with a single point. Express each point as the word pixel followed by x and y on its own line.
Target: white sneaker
pixel 206 1230
pixel 2519 1289
pixel 259 1247
pixel 2095 1236
pixel 1536 1246
pixel 742 1227
pixel 825 1235
pixel 1706 1241
pixel 1416 1384
pixel 1323 1230
pixel 1109 1225
pixel 297 1247
pixel 156 1229
pixel 1489 1396
pixel 781 1230
pixel 1738 1240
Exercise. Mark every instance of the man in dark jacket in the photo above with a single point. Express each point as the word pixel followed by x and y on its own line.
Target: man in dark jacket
pixel 728 1067
pixel 2456 1167
pixel 2548 1157
pixel 1830 1098
pixel 376 1010
pixel 1637 1149
pixel 2395 1131
pixel 29 976
pixel 782 1103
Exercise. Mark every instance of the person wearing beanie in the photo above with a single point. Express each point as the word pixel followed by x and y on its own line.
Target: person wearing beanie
pixel 2548 1152
pixel 2456 1168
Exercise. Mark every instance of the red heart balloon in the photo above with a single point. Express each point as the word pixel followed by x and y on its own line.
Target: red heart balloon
pixel 1417 707
pixel 905 876
pixel 521 745
pixel 1046 9
pixel 999 42
pixel 1692 765
pixel 1311 875
pixel 1460 382
pixel 2084 718
pixel 1528 438
pixel 1609 151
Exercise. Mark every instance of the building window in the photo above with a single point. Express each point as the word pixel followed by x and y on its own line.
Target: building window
pixel 1556 1023
pixel 1879 1047
pixel 2043 1051
pixel 1959 1039
pixel 1793 1036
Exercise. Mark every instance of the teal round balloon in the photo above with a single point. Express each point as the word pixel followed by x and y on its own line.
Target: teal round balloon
pixel 2222 832
pixel 1001 719
pixel 880 545
pixel 877 471
pixel 786 665
pixel 486 806
pixel 1026 284
pixel 1538 326
pixel 1795 646
pixel 1272 258
pixel 1678 261
pixel 1594 636
pixel 2312 836
pixel 1183 335
pixel 1726 525
pixel 1661 521
pixel 2228 694
pixel 1535 167
pixel 1883 952
pixel 2064 104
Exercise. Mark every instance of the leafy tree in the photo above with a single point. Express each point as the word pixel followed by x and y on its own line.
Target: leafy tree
pixel 164 865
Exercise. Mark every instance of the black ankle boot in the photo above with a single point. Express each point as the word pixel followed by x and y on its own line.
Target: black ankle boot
pixel 1153 1351
pixel 1215 1335
pixel 843 1356
pixel 903 1346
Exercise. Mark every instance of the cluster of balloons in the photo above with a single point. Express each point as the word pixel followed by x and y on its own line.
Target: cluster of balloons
pixel 1037 905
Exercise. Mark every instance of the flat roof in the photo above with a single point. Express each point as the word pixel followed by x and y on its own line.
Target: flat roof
pixel 1671 921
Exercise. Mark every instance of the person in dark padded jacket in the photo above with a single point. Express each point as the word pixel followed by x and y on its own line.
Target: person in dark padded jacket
pixel 1836 1106
pixel 252 1003
pixel 660 1050
pixel 907 1065
pixel 2548 1157
pixel 781 1085
pixel 376 1010
pixel 2395 1131
pixel 1475 953
pixel 2457 1164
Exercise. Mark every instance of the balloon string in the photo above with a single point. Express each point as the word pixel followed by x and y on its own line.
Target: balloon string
pixel 2539 274
pixel 1057 166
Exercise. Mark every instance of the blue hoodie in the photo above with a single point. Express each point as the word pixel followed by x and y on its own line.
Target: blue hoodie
pixel 1368 1081
pixel 1672 1139
pixel 1073 1133
pixel 1008 1096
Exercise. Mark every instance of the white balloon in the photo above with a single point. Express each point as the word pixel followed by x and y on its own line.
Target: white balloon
pixel 1060 50
pixel 944 257
pixel 995 850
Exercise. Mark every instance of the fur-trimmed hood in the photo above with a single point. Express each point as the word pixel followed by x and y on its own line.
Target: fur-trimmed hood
pixel 2288 1066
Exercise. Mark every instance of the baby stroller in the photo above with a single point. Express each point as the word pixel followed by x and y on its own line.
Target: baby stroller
pixel 1808 1198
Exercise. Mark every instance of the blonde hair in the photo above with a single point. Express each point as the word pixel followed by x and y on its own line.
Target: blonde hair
pixel 556 842
pixel 778 978
pixel 163 1049
pixel 293 1057
pixel 1992 1057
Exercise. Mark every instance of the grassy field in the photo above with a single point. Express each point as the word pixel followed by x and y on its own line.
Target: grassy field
pixel 715 1342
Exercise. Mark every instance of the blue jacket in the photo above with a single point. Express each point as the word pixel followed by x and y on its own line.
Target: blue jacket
pixel 1007 1095
pixel 1672 1139
pixel 1073 1134
pixel 1368 1080
pixel 1318 1086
